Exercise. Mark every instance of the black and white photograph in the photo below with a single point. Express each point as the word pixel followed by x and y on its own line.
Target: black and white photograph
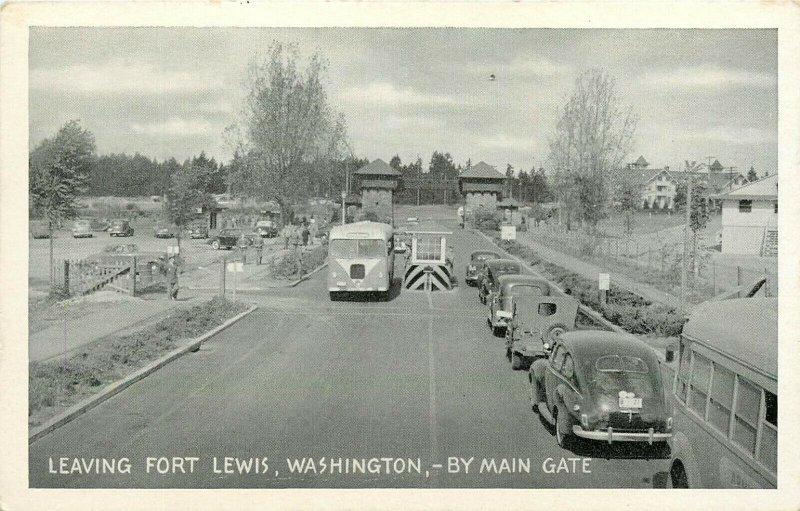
pixel 402 257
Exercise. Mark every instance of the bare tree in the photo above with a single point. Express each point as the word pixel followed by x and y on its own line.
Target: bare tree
pixel 592 138
pixel 286 123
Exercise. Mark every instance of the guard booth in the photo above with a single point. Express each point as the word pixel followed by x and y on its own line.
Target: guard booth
pixel 429 266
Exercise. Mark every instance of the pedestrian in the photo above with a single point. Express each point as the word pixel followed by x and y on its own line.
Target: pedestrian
pixel 242 243
pixel 259 250
pixel 305 235
pixel 172 277
pixel 313 231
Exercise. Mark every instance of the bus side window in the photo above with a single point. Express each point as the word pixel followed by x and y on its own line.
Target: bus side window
pixel 768 451
pixel 683 372
pixel 719 413
pixel 748 406
pixel 701 376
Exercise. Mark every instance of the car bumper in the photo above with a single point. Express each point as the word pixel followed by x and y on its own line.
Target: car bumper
pixel 609 435
pixel 357 289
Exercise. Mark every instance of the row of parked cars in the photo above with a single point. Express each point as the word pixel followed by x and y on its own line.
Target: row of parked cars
pixel 585 382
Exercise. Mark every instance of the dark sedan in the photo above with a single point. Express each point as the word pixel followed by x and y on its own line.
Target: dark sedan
pixel 226 238
pixel 490 279
pixel 163 231
pixel 510 287
pixel 603 386
pixel 476 260
pixel 198 232
pixel 120 228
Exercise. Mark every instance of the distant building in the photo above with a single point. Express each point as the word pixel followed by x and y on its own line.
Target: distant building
pixel 377 182
pixel 658 186
pixel 750 218
pixel 482 186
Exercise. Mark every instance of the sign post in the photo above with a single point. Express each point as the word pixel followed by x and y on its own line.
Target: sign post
pixel 235 267
pixel 604 283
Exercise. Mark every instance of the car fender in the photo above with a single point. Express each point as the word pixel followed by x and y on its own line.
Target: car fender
pixel 681 450
pixel 539 368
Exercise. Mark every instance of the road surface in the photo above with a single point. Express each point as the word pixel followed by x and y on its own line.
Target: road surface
pixel 418 379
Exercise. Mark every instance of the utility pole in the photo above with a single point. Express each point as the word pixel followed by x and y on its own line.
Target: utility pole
pixel 730 176
pixel 709 163
pixel 686 228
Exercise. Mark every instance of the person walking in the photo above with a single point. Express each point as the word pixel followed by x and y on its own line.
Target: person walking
pixel 172 277
pixel 242 243
pixel 305 235
pixel 259 250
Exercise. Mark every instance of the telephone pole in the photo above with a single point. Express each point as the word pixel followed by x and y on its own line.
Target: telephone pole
pixel 730 175
pixel 709 163
pixel 686 228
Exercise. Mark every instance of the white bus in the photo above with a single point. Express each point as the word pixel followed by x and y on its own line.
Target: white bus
pixel 360 258
pixel 726 397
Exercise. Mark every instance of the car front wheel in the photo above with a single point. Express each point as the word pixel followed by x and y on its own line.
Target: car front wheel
pixel 215 245
pixel 563 427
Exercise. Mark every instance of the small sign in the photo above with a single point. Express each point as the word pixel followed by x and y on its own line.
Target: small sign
pixel 508 232
pixel 170 250
pixel 605 282
pixel 235 266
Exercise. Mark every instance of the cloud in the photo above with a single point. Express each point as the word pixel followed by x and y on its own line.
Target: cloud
pixel 118 77
pixel 503 141
pixel 384 93
pixel 174 126
pixel 707 77
pixel 521 66
pixel 735 135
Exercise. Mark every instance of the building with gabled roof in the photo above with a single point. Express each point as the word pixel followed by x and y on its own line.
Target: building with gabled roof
pixel 482 186
pixel 377 181
pixel 750 218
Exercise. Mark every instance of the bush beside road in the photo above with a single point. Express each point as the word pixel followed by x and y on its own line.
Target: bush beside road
pixel 57 384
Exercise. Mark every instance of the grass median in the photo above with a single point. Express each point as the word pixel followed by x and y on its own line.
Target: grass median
pixel 57 384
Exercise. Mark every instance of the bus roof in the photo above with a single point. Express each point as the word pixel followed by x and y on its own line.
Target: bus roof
pixel 745 329
pixel 362 230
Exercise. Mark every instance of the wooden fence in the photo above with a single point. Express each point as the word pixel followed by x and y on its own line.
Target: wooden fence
pixel 124 274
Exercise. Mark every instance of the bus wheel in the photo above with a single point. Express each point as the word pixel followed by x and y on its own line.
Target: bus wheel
pixel 677 477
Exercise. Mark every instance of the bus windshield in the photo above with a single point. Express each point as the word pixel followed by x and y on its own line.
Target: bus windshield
pixel 346 249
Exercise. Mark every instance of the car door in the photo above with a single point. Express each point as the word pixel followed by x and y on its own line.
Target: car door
pixel 551 378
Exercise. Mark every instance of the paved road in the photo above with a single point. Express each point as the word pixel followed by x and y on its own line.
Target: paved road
pixel 416 378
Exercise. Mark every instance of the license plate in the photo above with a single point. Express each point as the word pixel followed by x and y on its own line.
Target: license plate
pixel 630 402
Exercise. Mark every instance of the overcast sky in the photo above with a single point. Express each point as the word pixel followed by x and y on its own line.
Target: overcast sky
pixel 167 92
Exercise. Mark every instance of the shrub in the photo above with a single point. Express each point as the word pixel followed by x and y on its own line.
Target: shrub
pixel 293 264
pixel 486 219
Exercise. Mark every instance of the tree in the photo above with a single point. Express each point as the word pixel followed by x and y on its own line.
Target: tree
pixel 185 195
pixel 285 123
pixel 59 170
pixel 628 196
pixel 592 138
pixel 395 162
pixel 752 175
pixel 698 218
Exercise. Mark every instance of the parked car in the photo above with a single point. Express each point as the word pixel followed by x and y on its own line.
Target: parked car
pixel 163 231
pixel 266 228
pixel 225 238
pixel 198 232
pixel 603 386
pixel 475 265
pixel 39 229
pixel 490 279
pixel 509 287
pixel 536 324
pixel 82 229
pixel 254 239
pixel 120 228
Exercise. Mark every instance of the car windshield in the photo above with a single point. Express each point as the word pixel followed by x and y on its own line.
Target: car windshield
pixel 506 269
pixel 612 374
pixel 82 223
pixel 483 257
pixel 118 223
pixel 358 248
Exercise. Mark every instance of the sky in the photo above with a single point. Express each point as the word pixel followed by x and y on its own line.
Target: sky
pixel 170 92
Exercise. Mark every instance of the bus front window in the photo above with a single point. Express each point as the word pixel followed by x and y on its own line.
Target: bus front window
pixel 371 248
pixel 343 249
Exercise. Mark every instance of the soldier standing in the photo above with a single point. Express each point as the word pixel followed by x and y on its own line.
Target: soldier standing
pixel 242 243
pixel 172 277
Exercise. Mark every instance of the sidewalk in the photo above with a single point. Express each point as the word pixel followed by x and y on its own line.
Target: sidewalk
pixel 113 318
pixel 591 272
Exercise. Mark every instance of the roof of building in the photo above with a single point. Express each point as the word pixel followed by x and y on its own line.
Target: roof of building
pixel 721 181
pixel 482 170
pixel 377 168
pixel 509 203
pixel 716 166
pixel 765 188
pixel 743 328
pixel 641 162
pixel 647 175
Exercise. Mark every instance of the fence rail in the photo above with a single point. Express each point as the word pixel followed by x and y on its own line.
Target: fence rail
pixel 658 262
pixel 124 274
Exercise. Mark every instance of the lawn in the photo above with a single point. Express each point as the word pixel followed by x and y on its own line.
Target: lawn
pixel 644 222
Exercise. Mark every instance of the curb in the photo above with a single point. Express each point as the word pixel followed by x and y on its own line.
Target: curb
pixel 118 386
pixel 307 275
pixel 585 309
